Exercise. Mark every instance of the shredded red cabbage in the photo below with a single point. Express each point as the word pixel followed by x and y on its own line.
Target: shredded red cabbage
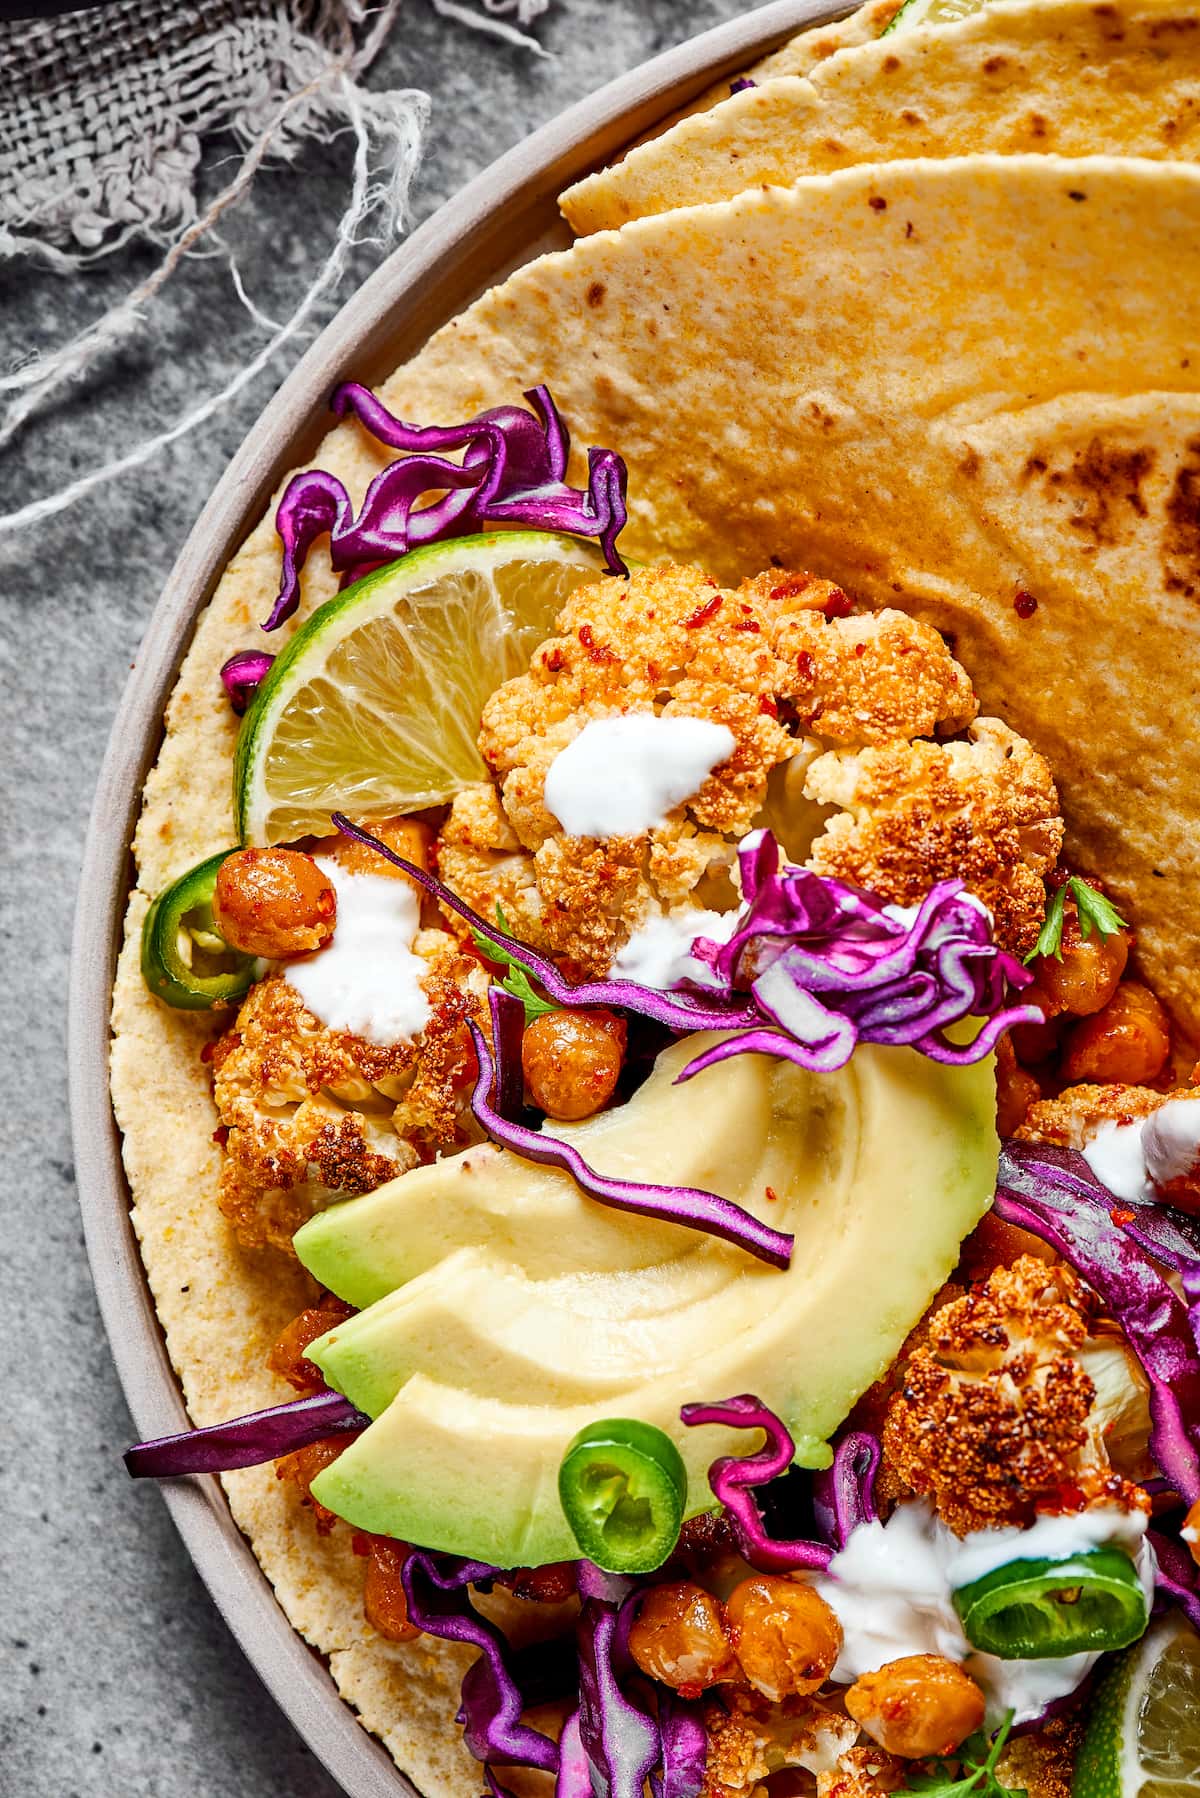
pixel 732 1478
pixel 574 1770
pixel 620 1740
pixel 1176 1574
pixel 513 471
pixel 831 966
pixel 243 674
pixel 741 84
pixel 844 1494
pixel 684 1747
pixel 435 1588
pixel 1059 1200
pixel 611 1588
pixel 686 1205
pixel 245 1441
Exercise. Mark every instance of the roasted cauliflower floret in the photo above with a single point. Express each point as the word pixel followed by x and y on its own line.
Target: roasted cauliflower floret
pixel 775 661
pixel 867 1772
pixel 1080 1113
pixel 481 859
pixel 996 1417
pixel 1073 1118
pixel 1041 1762
pixel 310 1115
pixel 748 1740
pixel 984 811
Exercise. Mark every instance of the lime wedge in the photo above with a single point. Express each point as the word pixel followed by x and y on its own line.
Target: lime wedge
pixel 1143 1734
pixel 373 708
pixel 931 12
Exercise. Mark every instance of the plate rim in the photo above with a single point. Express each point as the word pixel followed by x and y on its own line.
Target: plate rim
pixel 436 260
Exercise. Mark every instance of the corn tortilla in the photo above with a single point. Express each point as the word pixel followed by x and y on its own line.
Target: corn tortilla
pixel 1021 76
pixel 878 412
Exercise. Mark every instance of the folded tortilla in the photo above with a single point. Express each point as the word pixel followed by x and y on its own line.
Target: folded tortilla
pixel 941 383
pixel 1021 76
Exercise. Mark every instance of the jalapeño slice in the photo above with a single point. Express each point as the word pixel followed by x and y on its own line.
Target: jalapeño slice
pixel 185 960
pixel 622 1485
pixel 1037 1610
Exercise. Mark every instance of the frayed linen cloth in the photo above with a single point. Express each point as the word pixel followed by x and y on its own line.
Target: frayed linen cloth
pixel 103 116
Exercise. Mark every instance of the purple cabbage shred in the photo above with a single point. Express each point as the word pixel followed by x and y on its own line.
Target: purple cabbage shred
pixel 828 966
pixel 844 1493
pixel 741 84
pixel 513 471
pixel 733 1478
pixel 574 1770
pixel 1176 1574
pixel 435 1588
pixel 1053 1194
pixel 684 1747
pixel 620 1740
pixel 243 674
pixel 245 1441
pixel 686 1205
pixel 611 1588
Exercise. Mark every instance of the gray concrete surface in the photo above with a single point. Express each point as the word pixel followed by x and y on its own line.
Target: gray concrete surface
pixel 116 1675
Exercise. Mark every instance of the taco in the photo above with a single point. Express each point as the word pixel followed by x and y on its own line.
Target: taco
pixel 658 1113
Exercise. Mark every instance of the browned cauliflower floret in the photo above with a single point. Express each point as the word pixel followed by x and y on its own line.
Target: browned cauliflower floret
pixel 1074 1117
pixel 749 1740
pixel 996 1418
pixel 480 857
pixel 984 811
pixel 1041 1763
pixel 775 661
pixel 310 1115
pixel 867 1772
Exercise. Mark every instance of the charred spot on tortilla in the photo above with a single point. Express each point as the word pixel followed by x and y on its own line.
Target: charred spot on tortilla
pixel 1181 540
pixel 1102 481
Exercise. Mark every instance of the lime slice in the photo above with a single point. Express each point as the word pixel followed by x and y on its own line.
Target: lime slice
pixel 931 12
pixel 1143 1735
pixel 373 708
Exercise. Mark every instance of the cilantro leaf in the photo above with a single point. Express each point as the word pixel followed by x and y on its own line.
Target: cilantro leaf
pixel 1050 936
pixel 976 1778
pixel 516 979
pixel 1095 913
pixel 1094 910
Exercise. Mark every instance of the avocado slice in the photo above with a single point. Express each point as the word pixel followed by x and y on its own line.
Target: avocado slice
pixel 507 1309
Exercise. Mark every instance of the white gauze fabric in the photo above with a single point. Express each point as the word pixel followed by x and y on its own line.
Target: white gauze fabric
pixel 102 118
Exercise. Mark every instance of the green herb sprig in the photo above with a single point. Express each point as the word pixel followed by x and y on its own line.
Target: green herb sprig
pixel 976 1777
pixel 517 976
pixel 1095 913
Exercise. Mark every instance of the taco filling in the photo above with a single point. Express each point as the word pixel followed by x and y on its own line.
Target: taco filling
pixel 676 1183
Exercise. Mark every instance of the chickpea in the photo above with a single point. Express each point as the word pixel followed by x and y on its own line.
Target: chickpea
pixel 1191 1523
pixel 384 1603
pixel 1016 1090
pixel 679 1638
pixel 784 1634
pixel 273 902
pixel 409 837
pixel 572 1061
pixel 1125 1044
pixel 287 1356
pixel 1034 1043
pixel 1086 978
pixel 916 1707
